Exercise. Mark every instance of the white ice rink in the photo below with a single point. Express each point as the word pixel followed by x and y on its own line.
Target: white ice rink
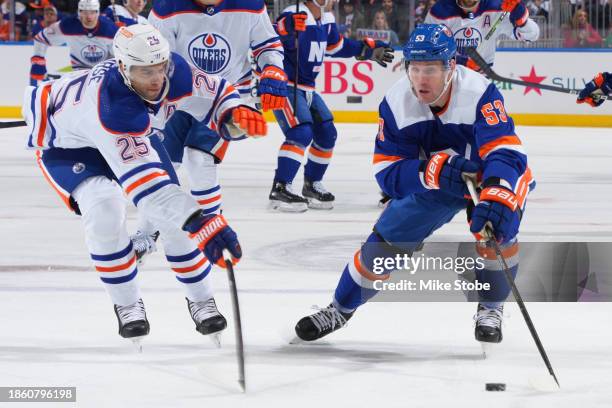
pixel 58 328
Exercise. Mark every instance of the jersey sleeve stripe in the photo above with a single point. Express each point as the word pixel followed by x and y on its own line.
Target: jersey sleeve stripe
pixel 511 142
pixel 332 49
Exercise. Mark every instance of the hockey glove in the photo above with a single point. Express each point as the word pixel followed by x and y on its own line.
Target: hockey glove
pixel 602 82
pixel 38 71
pixel 468 62
pixel 291 23
pixel 446 173
pixel 213 235
pixel 498 208
pixel 518 12
pixel 377 51
pixel 272 88
pixel 243 121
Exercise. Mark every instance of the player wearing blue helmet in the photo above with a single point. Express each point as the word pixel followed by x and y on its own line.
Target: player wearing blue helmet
pixel 438 125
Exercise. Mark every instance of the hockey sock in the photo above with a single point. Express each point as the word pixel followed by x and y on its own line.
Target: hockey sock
pixel 289 161
pixel 494 275
pixel 318 160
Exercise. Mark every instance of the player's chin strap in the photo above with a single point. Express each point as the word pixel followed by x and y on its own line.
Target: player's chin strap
pixel 162 96
pixel 446 84
pixel 322 7
pixel 467 9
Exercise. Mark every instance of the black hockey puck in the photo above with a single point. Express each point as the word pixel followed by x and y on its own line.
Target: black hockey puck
pixel 495 387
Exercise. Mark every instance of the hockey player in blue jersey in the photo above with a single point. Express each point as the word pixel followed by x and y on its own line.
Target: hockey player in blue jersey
pixel 309 124
pixel 437 125
pixel 94 132
pixel 88 35
pixel 592 92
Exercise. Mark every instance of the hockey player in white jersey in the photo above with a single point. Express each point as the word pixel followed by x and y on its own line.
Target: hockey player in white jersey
pixel 88 35
pixel 217 37
pixel 438 124
pixel 471 20
pixel 91 131
pixel 126 14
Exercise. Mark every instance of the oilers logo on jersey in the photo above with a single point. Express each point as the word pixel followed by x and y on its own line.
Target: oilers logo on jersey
pixel 93 54
pixel 467 37
pixel 210 52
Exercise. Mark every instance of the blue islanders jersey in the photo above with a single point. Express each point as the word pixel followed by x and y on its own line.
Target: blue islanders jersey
pixel 473 124
pixel 219 39
pixel 321 38
pixel 87 47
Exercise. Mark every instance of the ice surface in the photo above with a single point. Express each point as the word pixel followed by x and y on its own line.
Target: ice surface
pixel 57 326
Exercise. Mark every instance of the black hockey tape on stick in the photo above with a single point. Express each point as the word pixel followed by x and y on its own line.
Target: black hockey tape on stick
pixel 488 232
pixel 17 123
pixel 488 71
pixel 237 322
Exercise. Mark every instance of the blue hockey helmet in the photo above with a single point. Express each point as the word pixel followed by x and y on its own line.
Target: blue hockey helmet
pixel 430 42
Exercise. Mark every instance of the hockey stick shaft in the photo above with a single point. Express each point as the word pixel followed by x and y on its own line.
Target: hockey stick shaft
pixel 488 71
pixel 237 322
pixel 297 61
pixel 495 24
pixel 517 295
pixel 17 123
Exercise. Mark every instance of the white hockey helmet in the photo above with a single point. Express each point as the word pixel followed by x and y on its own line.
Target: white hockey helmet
pixel 89 5
pixel 140 45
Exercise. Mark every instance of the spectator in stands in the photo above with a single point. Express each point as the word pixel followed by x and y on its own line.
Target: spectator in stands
pixel 21 21
pixel 49 17
pixel 420 12
pixel 351 17
pixel 391 13
pixel 380 24
pixel 581 34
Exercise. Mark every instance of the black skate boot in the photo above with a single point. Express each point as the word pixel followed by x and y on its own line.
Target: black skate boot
pixel 488 324
pixel 207 318
pixel 322 323
pixel 283 199
pixel 318 197
pixel 133 323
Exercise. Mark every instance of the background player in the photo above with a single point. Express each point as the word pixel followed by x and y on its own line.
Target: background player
pixel 126 14
pixel 89 37
pixel 471 20
pixel 601 84
pixel 473 135
pixel 96 152
pixel 217 37
pixel 310 123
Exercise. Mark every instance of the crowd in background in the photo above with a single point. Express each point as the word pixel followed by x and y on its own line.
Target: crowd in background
pixel 584 23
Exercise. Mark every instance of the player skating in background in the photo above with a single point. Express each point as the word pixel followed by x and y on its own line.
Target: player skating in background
pixel 91 130
pixel 88 35
pixel 471 20
pixel 127 14
pixel 437 124
pixel 592 92
pixel 309 125
pixel 217 37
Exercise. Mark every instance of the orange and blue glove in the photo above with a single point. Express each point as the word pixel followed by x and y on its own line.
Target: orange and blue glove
pixel 272 88
pixel 601 83
pixel 213 235
pixel 291 23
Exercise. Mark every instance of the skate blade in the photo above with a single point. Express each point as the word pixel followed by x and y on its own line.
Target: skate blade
pixel 296 341
pixel 215 338
pixel 137 343
pixel 320 205
pixel 281 206
pixel 487 349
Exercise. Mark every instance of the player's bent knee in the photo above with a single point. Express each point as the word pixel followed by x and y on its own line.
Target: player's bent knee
pixel 326 137
pixel 301 135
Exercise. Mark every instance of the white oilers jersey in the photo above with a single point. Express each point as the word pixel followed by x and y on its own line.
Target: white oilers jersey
pixel 470 29
pixel 87 47
pixel 219 39
pixel 123 15
pixel 96 109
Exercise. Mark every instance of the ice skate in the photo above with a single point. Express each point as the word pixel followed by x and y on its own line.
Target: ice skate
pixel 317 196
pixel 284 200
pixel 207 319
pixel 320 324
pixel 144 244
pixel 488 329
pixel 133 323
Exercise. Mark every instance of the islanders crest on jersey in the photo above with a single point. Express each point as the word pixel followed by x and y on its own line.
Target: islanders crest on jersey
pixel 211 52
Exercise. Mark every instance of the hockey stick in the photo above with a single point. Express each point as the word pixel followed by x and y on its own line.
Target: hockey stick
pixel 237 322
pixel 17 123
pixel 488 71
pixel 495 24
pixel 297 59
pixel 488 232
